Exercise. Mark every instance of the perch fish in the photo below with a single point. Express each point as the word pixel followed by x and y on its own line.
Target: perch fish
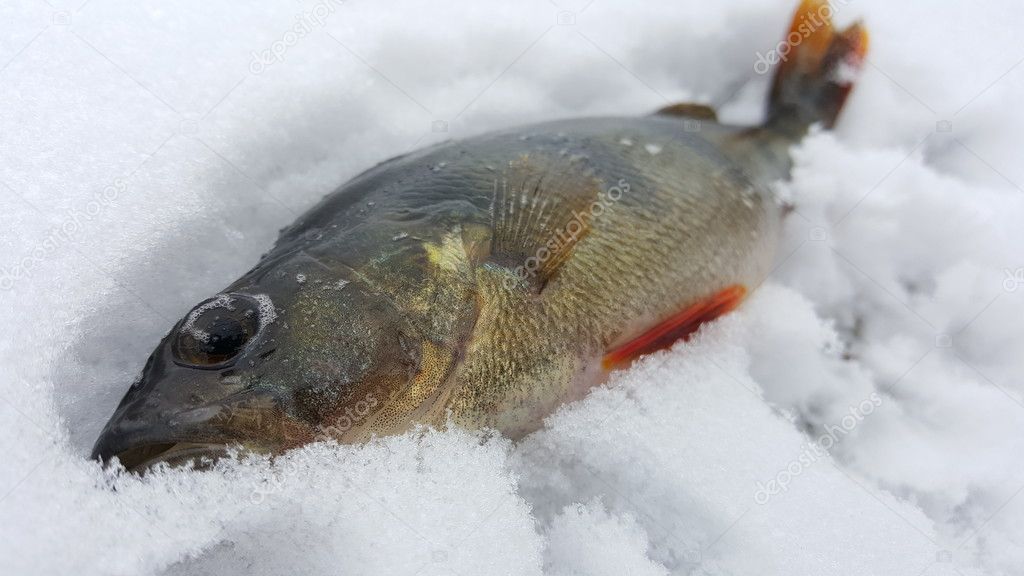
pixel 484 282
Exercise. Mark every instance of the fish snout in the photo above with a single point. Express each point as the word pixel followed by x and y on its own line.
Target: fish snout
pixel 138 447
pixel 201 435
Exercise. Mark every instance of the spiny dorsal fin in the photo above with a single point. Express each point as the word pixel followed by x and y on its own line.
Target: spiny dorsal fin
pixel 542 207
pixel 688 110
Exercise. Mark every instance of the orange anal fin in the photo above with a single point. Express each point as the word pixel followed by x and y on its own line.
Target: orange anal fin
pixel 678 327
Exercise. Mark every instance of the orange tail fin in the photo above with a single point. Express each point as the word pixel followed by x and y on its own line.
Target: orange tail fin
pixel 816 68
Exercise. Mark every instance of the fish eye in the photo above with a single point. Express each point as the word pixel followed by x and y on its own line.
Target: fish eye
pixel 216 331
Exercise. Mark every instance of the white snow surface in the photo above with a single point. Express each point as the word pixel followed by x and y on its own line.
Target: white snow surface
pixel 863 413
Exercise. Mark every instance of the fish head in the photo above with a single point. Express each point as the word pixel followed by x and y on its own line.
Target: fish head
pixel 270 364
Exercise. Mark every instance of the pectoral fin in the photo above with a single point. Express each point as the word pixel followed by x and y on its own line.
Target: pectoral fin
pixel 541 209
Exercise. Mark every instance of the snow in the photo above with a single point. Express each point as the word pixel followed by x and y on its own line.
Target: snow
pixel 863 413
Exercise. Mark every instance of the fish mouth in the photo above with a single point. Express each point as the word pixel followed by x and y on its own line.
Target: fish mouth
pixel 141 458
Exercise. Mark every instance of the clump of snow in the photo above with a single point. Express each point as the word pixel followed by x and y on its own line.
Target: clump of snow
pixel 219 301
pixel 267 313
pixel 863 413
pixel 585 539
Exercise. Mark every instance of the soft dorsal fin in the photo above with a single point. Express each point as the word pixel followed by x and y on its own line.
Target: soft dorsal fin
pixel 542 207
pixel 688 110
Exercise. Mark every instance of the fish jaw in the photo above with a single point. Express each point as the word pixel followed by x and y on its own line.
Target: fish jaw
pixel 200 435
pixel 143 457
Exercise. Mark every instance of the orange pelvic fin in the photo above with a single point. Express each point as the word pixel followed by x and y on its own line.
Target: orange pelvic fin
pixel 678 327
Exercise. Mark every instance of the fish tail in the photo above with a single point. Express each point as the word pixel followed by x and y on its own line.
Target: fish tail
pixel 817 66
